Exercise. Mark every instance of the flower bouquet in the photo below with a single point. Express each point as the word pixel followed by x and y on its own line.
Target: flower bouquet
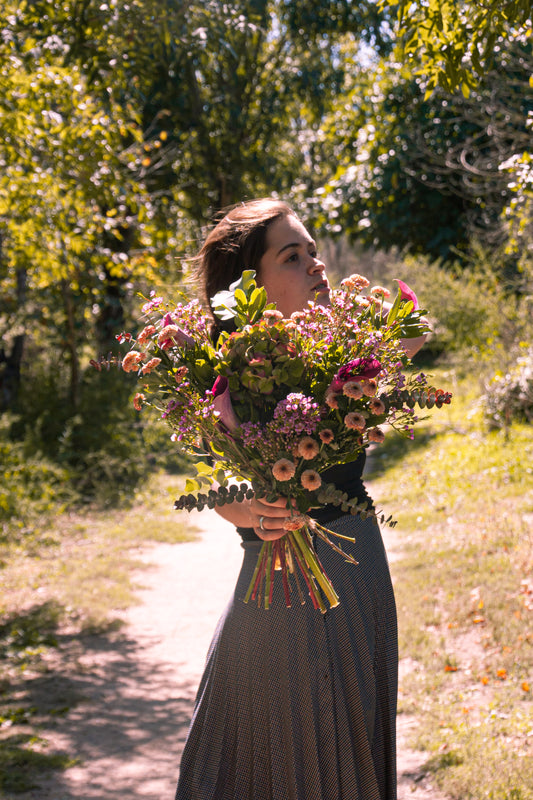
pixel 277 401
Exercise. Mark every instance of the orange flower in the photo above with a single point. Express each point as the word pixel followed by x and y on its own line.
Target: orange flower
pixel 369 387
pixel 502 674
pixel 380 290
pixel 331 400
pixel 150 366
pixel 526 687
pixel 131 361
pixel 310 479
pixel 485 680
pixel 376 435
pixel 377 406
pixel 145 335
pixel 308 448
pixel 294 523
pixel 138 401
pixel 326 435
pixel 355 421
pixel 283 470
pixel 352 389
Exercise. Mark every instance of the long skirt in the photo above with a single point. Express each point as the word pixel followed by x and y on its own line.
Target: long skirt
pixel 299 705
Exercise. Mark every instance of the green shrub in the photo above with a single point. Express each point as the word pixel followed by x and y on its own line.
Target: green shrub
pixel 31 488
pixel 509 396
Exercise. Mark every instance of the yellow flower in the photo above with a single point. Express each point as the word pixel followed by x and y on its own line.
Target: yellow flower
pixel 283 470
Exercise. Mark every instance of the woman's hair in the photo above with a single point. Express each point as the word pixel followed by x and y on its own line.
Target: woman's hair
pixel 237 242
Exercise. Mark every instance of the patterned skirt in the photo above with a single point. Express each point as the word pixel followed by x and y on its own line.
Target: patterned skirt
pixel 299 705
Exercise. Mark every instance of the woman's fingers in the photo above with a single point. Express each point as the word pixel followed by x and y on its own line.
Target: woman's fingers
pixel 269 518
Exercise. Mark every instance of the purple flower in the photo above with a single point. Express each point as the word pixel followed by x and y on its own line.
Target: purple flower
pixel 407 293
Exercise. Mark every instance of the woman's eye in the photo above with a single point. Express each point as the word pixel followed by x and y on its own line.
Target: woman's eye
pixel 293 257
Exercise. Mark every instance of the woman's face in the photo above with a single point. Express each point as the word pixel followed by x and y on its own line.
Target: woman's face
pixel 290 270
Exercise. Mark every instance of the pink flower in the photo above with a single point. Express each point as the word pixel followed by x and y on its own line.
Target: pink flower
pixel 353 390
pixel 376 435
pixel 222 404
pixel 310 480
pixel 326 435
pixel 173 335
pixel 377 406
pixel 355 370
pixel 331 399
pixel 283 470
pixel 369 387
pixel 308 448
pixel 131 361
pixel 407 293
pixel 355 421
pixel 150 366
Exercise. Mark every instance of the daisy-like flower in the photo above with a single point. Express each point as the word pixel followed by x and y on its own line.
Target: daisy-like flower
pixel 297 316
pixel 283 469
pixel 377 406
pixel 138 401
pixel 308 448
pixel 369 387
pixel 326 435
pixel 150 366
pixel 145 335
pixel 131 361
pixel 310 479
pixel 331 400
pixel 355 421
pixel 294 523
pixel 376 435
pixel 353 390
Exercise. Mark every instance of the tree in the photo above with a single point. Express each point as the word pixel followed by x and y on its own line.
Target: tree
pixel 451 43
pixel 425 172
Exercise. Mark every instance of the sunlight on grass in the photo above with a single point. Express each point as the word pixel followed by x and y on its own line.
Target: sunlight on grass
pixel 463 498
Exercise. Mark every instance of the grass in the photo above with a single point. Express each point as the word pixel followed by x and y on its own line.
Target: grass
pixel 463 498
pixel 63 584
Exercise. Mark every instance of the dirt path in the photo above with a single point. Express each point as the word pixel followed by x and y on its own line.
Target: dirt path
pixel 137 689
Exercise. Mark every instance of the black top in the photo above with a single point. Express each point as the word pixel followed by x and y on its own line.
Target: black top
pixel 346 477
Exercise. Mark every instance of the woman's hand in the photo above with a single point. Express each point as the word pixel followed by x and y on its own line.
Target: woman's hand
pixel 268 518
pixel 265 518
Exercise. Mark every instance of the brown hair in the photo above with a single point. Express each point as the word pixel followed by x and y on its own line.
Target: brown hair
pixel 237 242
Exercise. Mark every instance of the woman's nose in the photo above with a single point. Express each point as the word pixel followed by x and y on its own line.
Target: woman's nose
pixel 316 265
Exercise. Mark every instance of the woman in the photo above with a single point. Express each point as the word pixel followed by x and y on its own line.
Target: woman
pixel 293 704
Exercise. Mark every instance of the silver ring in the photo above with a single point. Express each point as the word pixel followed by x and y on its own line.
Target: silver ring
pixel 261 526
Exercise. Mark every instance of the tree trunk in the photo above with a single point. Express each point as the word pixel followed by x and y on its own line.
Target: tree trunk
pixel 11 361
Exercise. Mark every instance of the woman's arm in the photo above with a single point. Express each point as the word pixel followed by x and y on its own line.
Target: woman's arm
pixel 249 514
